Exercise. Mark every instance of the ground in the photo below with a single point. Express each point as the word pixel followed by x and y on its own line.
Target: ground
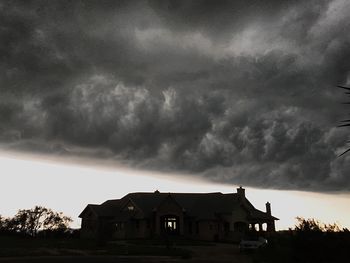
pixel 37 251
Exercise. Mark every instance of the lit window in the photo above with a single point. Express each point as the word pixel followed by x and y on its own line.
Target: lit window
pixel 170 223
pixel 130 208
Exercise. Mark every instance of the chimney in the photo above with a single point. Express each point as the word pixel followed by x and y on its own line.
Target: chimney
pixel 241 192
pixel 268 208
pixel 271 223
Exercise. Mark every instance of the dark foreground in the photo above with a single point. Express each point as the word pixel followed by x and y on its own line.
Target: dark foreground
pixel 89 259
pixel 287 247
pixel 230 257
pixel 35 250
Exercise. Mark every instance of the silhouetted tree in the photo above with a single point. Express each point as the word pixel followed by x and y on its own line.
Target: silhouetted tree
pixel 313 225
pixel 30 221
pixel 2 223
pixel 56 221
pixel 18 223
pixel 308 225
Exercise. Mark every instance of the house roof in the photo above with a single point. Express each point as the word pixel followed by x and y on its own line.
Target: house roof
pixel 204 206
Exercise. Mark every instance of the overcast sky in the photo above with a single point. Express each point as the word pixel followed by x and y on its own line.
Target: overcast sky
pixel 236 92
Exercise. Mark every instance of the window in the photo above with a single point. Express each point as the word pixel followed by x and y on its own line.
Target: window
pixel 170 224
pixel 131 207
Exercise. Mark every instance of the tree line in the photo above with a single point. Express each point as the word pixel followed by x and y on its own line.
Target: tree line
pixel 35 221
pixel 312 225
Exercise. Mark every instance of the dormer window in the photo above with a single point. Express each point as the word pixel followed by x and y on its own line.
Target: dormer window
pixel 131 207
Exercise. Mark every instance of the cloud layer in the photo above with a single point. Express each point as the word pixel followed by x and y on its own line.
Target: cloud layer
pixel 234 91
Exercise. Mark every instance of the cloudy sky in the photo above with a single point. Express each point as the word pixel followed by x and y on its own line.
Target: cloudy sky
pixel 234 92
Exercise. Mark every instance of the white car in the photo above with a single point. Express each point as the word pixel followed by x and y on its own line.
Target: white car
pixel 252 244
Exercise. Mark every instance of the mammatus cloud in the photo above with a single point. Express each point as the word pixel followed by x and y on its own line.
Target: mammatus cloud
pixel 234 91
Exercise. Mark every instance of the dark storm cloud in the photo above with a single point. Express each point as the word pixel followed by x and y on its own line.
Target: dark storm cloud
pixel 235 91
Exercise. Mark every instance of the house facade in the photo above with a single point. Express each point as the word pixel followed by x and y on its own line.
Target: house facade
pixel 202 216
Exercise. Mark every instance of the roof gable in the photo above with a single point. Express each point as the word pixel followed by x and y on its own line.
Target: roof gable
pixel 90 208
pixel 167 201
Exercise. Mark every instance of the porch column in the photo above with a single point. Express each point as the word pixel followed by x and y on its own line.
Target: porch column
pixel 253 226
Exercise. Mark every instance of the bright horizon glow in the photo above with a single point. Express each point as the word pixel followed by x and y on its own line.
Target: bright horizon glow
pixel 68 187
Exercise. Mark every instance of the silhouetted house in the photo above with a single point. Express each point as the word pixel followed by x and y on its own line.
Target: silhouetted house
pixel 204 216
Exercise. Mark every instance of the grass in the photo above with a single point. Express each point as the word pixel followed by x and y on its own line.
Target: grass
pixel 20 246
pixel 175 241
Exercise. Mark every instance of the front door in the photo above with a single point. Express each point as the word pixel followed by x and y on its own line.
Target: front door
pixel 170 224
